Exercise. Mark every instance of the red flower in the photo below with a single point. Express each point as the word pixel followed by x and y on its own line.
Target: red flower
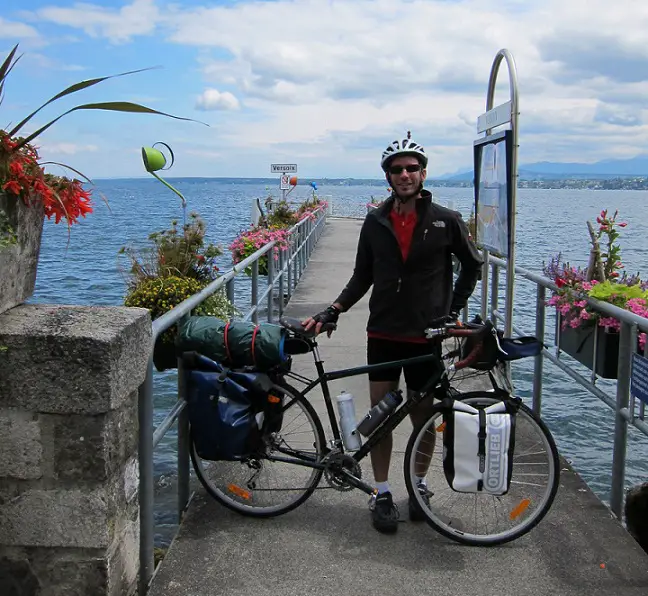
pixel 13 187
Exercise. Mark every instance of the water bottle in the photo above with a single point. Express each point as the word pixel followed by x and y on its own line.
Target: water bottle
pixel 379 412
pixel 346 409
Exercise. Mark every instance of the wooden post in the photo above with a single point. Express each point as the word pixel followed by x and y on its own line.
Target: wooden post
pixel 595 262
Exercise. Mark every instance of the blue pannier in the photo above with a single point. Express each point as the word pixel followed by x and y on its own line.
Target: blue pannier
pixel 227 409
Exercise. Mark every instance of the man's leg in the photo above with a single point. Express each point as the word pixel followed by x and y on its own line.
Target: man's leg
pixel 383 511
pixel 381 453
pixel 416 377
pixel 418 416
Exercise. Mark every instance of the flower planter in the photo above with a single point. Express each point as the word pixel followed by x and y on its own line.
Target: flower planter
pixel 21 229
pixel 579 344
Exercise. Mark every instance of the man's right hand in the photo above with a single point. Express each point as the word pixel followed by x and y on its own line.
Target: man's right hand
pixel 325 317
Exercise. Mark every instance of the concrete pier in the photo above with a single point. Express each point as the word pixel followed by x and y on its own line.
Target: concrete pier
pixel 328 547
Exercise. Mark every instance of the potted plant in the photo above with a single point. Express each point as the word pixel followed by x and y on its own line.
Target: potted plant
pixel 374 203
pixel 28 193
pixel 253 239
pixel 603 279
pixel 177 264
pixel 311 207
pixel 273 228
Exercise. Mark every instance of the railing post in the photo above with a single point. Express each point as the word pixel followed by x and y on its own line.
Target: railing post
pixel 484 287
pixel 302 250
pixel 230 289
pixel 626 347
pixel 271 267
pixel 255 292
pixel 281 281
pixel 183 443
pixel 494 293
pixel 538 366
pixel 289 267
pixel 295 257
pixel 146 481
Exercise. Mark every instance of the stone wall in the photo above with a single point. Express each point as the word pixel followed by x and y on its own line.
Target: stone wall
pixel 69 513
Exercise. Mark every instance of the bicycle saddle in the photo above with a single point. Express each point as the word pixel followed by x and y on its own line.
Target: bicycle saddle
pixel 297 328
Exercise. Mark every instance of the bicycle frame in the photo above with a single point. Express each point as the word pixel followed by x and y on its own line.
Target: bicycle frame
pixel 438 377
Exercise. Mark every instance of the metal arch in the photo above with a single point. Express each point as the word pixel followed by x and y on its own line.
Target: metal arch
pixel 505 55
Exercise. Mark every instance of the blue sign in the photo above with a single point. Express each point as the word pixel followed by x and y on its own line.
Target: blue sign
pixel 639 378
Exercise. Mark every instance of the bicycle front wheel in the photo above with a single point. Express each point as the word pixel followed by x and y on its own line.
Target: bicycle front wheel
pixel 483 519
pixel 260 486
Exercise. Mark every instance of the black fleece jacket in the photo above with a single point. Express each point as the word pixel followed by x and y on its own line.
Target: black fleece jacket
pixel 408 295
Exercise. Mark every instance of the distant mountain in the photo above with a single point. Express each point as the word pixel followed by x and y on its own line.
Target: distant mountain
pixel 607 168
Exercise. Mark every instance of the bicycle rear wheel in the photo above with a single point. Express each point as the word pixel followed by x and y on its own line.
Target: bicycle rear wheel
pixel 482 519
pixel 259 486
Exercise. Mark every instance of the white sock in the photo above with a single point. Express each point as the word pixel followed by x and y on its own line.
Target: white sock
pixel 383 487
pixel 421 480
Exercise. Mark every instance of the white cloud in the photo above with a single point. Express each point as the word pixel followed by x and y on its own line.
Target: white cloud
pixel 344 78
pixel 52 149
pixel 43 62
pixel 212 99
pixel 15 30
pixel 138 18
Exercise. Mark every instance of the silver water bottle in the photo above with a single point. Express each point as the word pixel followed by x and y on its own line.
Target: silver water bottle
pixel 346 409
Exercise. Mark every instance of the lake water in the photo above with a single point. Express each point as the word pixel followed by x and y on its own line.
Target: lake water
pixel 88 271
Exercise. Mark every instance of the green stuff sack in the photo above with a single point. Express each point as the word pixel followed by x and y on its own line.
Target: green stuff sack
pixel 237 343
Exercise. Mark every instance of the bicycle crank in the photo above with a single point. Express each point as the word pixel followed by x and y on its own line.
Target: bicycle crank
pixel 339 468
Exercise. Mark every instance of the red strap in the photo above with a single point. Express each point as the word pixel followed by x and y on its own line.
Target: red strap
pixel 229 356
pixel 253 341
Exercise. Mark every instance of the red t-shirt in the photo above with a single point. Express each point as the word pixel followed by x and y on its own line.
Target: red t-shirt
pixel 404 228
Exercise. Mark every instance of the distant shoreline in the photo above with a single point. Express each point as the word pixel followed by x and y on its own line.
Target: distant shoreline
pixel 627 183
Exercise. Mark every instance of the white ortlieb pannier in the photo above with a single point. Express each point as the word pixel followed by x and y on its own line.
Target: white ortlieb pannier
pixel 478 446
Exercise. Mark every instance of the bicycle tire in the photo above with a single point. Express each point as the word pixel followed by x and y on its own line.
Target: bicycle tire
pixel 298 400
pixel 466 538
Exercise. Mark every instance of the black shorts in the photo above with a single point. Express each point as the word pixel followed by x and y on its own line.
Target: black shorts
pixel 385 350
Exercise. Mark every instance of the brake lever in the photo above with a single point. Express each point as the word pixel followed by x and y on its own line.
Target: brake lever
pixel 497 341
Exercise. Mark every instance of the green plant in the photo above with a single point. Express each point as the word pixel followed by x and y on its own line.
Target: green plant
pixel 161 294
pixel 282 216
pixel 617 293
pixel 175 253
pixel 177 264
pixel 601 280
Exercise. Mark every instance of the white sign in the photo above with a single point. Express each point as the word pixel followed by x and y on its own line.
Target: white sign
pixel 496 117
pixel 285 182
pixel 283 168
pixel 492 199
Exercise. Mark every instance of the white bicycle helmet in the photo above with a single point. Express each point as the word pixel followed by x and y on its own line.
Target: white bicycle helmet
pixel 404 147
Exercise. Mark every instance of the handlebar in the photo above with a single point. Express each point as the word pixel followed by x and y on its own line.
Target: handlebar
pixel 458 329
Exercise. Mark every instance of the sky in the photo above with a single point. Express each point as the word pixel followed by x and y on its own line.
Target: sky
pixel 325 84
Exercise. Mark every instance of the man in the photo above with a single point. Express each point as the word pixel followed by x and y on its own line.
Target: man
pixel 405 251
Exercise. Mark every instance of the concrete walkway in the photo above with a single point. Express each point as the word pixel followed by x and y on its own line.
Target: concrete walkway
pixel 327 546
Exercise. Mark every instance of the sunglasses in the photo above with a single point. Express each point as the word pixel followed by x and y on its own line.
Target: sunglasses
pixel 396 170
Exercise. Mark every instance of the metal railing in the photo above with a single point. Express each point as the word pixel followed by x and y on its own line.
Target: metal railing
pixel 627 412
pixel 282 275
